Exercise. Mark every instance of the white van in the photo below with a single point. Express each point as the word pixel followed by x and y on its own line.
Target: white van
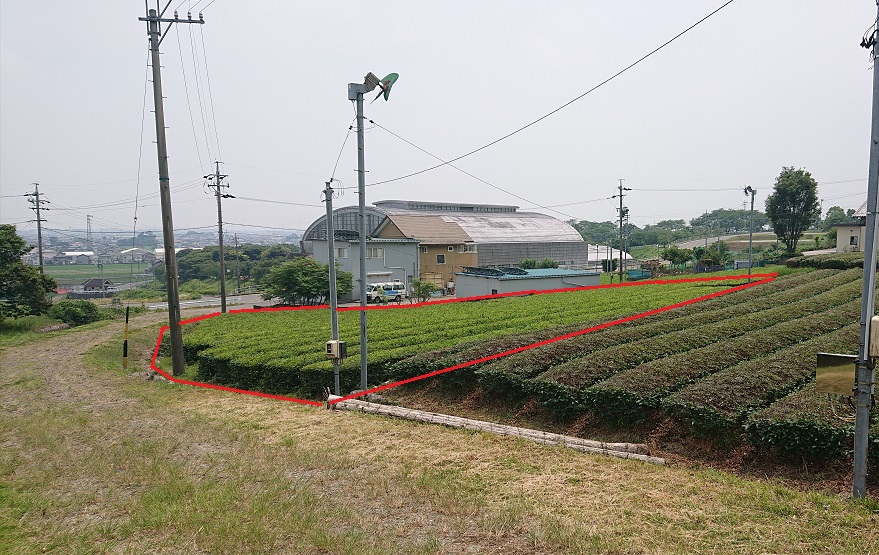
pixel 393 291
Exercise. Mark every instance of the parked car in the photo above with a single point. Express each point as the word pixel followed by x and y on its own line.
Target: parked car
pixel 391 291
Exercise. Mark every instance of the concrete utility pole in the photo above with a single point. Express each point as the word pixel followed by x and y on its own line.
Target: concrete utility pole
pixel 154 22
pixel 355 94
pixel 753 192
pixel 34 198
pixel 237 267
pixel 623 213
pixel 865 366
pixel 88 232
pixel 331 248
pixel 216 182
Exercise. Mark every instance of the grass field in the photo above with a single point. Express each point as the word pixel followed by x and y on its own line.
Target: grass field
pixel 96 460
pixel 75 274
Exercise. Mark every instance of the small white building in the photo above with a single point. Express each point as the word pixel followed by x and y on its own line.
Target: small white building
pixel 850 238
pixel 478 282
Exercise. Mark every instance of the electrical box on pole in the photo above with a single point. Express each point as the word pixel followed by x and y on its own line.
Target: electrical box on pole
pixel 337 349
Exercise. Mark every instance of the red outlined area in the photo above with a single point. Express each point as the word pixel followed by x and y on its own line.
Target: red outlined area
pixel 760 279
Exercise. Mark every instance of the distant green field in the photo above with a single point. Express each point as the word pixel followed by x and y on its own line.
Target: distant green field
pixel 74 274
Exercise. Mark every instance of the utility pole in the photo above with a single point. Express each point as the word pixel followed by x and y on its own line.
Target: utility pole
pixel 34 198
pixel 865 366
pixel 623 213
pixel 753 192
pixel 154 25
pixel 237 267
pixel 216 182
pixel 331 248
pixel 88 232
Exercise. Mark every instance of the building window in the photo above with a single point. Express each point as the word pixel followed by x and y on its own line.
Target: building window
pixel 467 248
pixel 451 248
pixel 424 249
pixel 342 252
pixel 375 252
pixel 440 259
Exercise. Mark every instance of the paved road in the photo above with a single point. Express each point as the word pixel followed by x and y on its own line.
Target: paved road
pixel 236 301
pixel 701 242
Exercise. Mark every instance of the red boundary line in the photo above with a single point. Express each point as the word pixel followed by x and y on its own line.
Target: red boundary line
pixel 765 279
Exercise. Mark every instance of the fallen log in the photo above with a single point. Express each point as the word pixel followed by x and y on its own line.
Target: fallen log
pixel 635 451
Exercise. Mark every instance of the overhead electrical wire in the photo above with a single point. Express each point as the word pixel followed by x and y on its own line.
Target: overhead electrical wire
pixel 198 91
pixel 188 103
pixel 204 55
pixel 275 201
pixel 470 174
pixel 563 106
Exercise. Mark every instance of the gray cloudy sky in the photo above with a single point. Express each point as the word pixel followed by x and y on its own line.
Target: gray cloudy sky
pixel 758 86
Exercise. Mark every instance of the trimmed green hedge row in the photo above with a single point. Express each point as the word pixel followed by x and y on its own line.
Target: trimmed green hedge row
pixel 625 396
pixel 282 352
pixel 677 348
pixel 803 424
pixel 511 376
pixel 719 403
pixel 836 261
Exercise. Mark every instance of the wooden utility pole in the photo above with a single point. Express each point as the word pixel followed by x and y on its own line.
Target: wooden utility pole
pixel 154 21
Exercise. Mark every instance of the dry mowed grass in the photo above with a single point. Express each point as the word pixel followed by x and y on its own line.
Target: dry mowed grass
pixel 94 460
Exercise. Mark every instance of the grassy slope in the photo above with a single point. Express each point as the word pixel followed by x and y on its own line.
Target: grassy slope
pixel 111 463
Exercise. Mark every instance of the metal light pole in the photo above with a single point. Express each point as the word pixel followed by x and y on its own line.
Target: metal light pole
pixel 865 366
pixel 355 94
pixel 753 192
pixel 331 247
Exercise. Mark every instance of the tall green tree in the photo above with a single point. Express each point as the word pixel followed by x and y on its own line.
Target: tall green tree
pixel 793 205
pixel 23 290
pixel 304 281
pixel 836 216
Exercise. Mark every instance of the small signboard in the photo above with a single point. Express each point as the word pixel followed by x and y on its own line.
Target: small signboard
pixel 835 373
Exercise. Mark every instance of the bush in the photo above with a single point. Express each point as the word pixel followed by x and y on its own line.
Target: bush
pixel 803 424
pixel 76 313
pixel 835 261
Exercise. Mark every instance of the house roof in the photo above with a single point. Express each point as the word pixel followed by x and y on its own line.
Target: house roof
pixel 428 229
pixel 861 212
pixel 96 282
pixel 79 253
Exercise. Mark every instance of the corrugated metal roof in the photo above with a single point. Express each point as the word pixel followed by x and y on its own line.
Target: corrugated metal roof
pixel 519 227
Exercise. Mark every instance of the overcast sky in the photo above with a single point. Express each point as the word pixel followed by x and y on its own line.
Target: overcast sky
pixel 757 86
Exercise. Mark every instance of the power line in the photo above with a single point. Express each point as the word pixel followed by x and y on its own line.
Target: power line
pixel 210 93
pixel 188 103
pixel 263 226
pixel 275 201
pixel 565 105
pixel 468 173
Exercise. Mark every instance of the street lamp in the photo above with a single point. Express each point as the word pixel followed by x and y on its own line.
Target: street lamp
pixel 355 94
pixel 750 191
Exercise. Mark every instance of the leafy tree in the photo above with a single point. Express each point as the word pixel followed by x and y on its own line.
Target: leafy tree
pixel 547 263
pixel 528 263
pixel 676 255
pixel 793 205
pixel 836 216
pixel 421 290
pixel 23 290
pixel 718 253
pixel 304 281
pixel 597 233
